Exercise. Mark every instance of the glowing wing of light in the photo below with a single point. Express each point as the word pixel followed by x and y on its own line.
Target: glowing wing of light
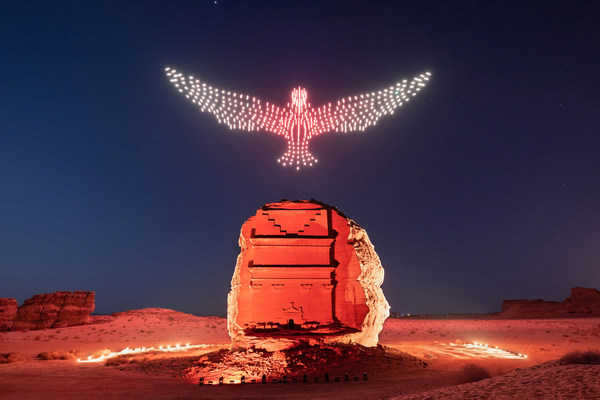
pixel 236 110
pixel 356 113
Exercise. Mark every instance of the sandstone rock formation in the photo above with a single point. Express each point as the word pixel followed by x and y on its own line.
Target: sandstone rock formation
pixel 8 311
pixel 54 310
pixel 305 273
pixel 582 302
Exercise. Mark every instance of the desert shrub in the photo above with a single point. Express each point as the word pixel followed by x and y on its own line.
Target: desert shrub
pixel 473 373
pixel 127 359
pixel 14 357
pixel 56 355
pixel 8 358
pixel 581 357
pixel 117 361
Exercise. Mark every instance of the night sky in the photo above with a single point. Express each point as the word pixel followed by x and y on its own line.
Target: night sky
pixel 486 186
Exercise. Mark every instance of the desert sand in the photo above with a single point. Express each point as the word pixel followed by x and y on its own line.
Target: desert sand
pixel 539 375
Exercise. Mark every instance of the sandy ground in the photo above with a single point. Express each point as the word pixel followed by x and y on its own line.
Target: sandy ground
pixel 546 381
pixel 538 376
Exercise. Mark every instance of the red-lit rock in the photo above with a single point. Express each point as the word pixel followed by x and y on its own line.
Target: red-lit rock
pixel 54 310
pixel 582 302
pixel 538 308
pixel 8 311
pixel 305 272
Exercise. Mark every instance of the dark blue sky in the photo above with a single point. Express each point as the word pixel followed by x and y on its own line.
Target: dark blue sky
pixel 485 187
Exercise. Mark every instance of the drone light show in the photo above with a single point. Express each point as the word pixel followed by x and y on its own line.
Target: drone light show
pixel 298 121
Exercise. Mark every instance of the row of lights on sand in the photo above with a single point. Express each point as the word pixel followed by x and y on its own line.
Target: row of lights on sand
pixel 284 379
pixel 139 350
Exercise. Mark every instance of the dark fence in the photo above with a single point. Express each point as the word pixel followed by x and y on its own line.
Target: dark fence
pixel 284 379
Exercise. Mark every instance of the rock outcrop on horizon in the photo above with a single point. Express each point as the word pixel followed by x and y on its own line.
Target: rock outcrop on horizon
pixel 8 311
pixel 581 302
pixel 50 310
pixel 305 271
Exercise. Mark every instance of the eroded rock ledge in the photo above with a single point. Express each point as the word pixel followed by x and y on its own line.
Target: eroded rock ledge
pixel 305 274
pixel 583 302
pixel 50 310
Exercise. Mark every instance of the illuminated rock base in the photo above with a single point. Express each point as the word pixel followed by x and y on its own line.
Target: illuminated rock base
pixel 300 364
pixel 305 274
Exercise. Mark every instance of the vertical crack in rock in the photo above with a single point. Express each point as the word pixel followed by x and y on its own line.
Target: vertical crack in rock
pixel 235 331
pixel 305 274
pixel 371 278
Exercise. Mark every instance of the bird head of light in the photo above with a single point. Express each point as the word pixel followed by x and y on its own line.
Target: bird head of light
pixel 299 96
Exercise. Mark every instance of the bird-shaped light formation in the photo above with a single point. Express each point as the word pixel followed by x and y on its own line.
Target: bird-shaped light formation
pixel 298 122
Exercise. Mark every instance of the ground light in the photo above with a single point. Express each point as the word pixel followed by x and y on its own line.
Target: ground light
pixel 485 350
pixel 138 350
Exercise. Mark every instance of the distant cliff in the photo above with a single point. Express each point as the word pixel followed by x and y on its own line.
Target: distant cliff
pixel 50 310
pixel 582 302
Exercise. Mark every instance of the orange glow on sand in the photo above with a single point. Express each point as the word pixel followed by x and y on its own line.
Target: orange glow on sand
pixel 138 350
pixel 476 349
